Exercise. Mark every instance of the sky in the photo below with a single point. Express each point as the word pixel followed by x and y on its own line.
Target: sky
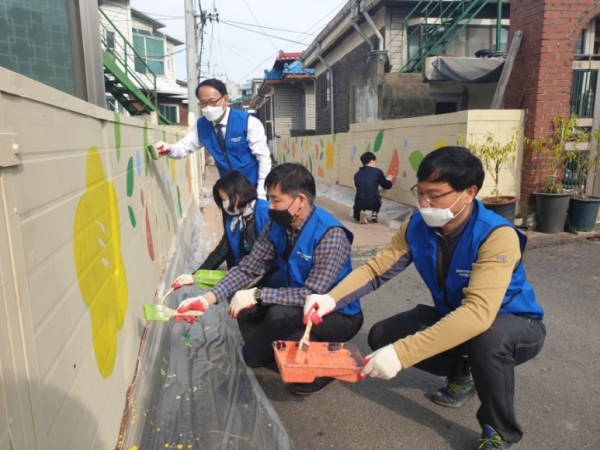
pixel 249 34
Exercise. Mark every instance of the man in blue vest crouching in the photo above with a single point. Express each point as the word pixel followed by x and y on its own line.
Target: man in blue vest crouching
pixel 485 319
pixel 235 139
pixel 312 250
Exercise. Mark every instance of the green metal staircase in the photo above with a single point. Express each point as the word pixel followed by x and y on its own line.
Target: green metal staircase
pixel 134 90
pixel 439 24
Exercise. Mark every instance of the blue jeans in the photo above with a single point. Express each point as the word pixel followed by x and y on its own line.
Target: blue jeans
pixel 490 357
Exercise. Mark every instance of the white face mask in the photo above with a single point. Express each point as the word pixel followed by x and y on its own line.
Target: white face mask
pixel 213 113
pixel 249 209
pixel 438 217
pixel 235 212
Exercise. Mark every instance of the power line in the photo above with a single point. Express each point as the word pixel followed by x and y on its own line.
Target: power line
pixel 231 22
pixel 276 49
pixel 265 34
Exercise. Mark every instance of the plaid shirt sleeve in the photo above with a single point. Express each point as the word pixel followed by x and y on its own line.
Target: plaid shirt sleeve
pixel 329 258
pixel 250 267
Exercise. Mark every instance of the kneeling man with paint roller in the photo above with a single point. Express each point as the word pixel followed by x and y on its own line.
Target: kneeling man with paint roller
pixel 485 319
pixel 313 250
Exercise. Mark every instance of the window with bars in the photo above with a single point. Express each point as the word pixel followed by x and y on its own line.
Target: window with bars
pixel 150 45
pixel 583 92
pixel 171 112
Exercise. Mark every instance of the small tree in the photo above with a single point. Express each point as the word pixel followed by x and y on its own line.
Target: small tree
pixel 584 161
pixel 494 156
pixel 553 149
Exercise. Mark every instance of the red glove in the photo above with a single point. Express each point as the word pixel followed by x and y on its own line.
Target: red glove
pixel 191 304
pixel 183 280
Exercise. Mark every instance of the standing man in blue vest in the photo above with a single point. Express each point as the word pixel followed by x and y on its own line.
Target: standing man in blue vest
pixel 313 252
pixel 485 319
pixel 235 139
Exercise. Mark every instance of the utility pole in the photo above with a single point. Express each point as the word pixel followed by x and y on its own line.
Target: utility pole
pixel 193 67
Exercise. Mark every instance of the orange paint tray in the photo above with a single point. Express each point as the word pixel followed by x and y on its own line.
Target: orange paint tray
pixel 323 359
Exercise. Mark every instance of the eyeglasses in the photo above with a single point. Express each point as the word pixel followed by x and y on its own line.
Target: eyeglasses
pixel 211 102
pixel 429 198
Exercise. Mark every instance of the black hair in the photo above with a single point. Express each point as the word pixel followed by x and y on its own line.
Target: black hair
pixel 367 157
pixel 292 179
pixel 236 186
pixel 454 165
pixel 214 83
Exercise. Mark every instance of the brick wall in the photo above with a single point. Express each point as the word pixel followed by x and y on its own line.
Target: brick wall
pixel 541 78
pixel 342 74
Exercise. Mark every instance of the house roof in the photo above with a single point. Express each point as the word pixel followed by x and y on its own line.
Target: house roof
pixel 155 25
pixel 290 56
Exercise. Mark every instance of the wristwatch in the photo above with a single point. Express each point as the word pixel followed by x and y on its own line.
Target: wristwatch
pixel 258 294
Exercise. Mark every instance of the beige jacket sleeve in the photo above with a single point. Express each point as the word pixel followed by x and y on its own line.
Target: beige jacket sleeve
pixel 490 278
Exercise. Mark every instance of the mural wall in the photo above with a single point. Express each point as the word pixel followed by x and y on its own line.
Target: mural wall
pixel 400 146
pixel 88 219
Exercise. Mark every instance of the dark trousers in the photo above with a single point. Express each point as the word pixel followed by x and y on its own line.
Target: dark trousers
pixel 366 205
pixel 285 323
pixel 491 358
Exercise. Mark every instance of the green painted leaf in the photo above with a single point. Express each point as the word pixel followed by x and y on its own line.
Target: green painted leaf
pixel 179 202
pixel 415 159
pixel 130 177
pixel 168 223
pixel 131 216
pixel 321 156
pixel 334 136
pixel 310 164
pixel 368 149
pixel 146 156
pixel 321 142
pixel 117 130
pixel 378 141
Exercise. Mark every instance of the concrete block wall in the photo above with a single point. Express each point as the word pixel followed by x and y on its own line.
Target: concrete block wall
pixel 288 108
pixel 541 78
pixel 87 223
pixel 400 145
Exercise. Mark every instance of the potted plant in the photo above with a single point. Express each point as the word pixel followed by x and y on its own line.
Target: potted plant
pixel 583 210
pixel 495 156
pixel 552 201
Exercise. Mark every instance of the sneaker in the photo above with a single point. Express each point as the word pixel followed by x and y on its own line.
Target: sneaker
pixel 363 218
pixel 490 439
pixel 374 218
pixel 455 393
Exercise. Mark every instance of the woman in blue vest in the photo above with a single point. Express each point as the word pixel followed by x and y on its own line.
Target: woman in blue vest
pixel 313 252
pixel 235 139
pixel 485 319
pixel 247 216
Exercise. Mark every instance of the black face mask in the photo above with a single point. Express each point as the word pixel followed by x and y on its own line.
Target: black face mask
pixel 282 218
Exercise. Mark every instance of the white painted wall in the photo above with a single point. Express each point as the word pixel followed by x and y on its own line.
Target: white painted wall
pixel 86 227
pixel 336 157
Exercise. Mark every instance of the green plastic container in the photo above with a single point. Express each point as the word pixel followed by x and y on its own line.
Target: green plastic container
pixel 205 279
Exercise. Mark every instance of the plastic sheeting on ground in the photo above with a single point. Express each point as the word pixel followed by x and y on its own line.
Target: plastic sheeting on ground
pixel 391 213
pixel 192 389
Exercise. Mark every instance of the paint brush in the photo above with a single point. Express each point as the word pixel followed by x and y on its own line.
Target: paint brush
pixel 161 313
pixel 167 294
pixel 304 343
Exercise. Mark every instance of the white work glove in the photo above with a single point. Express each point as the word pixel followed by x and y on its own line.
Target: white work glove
pixel 191 304
pixel 317 306
pixel 163 148
pixel 389 177
pixel 240 301
pixel 383 363
pixel 183 280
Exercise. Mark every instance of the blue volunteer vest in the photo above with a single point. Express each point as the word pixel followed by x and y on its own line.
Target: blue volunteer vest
pixel 299 263
pixel 237 154
pixel 261 217
pixel 422 240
